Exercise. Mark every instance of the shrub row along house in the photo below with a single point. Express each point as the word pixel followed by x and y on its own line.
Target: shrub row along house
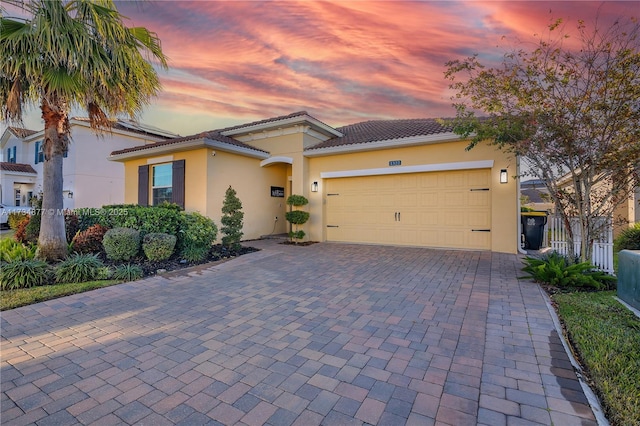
pixel 399 182
pixel 89 180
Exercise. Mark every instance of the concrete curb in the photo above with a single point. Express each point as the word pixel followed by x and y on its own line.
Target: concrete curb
pixel 594 402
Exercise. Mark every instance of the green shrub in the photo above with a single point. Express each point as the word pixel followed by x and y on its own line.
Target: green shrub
pixel 158 246
pixel 297 217
pixel 231 220
pixel 629 239
pixel 15 218
pixel 297 200
pixel 563 272
pixel 198 235
pixel 89 240
pixel 24 274
pixel 86 218
pixel 32 229
pixel 127 272
pixel 298 235
pixel 104 273
pixel 78 268
pixel 12 250
pixel 121 244
pixel 165 218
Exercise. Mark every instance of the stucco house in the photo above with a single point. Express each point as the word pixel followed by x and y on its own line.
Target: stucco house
pixel 89 179
pixel 397 182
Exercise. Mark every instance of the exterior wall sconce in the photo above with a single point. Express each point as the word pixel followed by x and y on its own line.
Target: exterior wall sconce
pixel 314 186
pixel 70 194
pixel 503 176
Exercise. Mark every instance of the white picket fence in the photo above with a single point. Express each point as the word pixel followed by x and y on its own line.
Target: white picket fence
pixel 556 238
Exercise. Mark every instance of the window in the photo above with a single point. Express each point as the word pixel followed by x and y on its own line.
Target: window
pixel 166 182
pixel 11 155
pixel 17 197
pixel 39 154
pixel 162 184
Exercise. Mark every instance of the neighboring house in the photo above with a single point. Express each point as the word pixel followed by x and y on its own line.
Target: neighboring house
pixel 395 182
pixel 536 195
pixel 89 179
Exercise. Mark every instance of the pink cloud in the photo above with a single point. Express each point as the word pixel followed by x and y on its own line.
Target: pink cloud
pixel 342 61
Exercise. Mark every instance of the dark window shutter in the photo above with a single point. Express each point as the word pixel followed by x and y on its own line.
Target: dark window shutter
pixel 15 156
pixel 143 185
pixel 37 148
pixel 177 183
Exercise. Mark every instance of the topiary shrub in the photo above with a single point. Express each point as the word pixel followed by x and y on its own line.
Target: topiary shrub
pixel 231 220
pixel 24 274
pixel 78 268
pixel 121 244
pixel 297 217
pixel 89 240
pixel 198 235
pixel 15 218
pixel 564 272
pixel 158 246
pixel 629 239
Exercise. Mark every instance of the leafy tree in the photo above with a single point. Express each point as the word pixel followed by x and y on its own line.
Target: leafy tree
pixel 232 216
pixel 297 217
pixel 571 114
pixel 76 53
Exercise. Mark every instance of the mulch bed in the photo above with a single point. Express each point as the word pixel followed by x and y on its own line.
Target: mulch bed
pixel 175 263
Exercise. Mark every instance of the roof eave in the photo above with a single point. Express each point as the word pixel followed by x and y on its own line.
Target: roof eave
pixel 317 124
pixel 384 144
pixel 188 146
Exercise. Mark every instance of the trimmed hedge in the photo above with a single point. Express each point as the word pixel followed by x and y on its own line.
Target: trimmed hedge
pixel 121 244
pixel 158 246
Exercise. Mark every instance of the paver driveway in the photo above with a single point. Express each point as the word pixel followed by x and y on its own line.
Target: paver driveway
pixel 324 334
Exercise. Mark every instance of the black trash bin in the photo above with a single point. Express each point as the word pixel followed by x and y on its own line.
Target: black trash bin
pixel 533 229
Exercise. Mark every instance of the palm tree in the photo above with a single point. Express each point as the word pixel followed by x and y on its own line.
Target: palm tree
pixel 75 53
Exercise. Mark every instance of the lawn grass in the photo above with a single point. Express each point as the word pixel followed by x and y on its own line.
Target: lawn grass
pixel 606 337
pixel 10 299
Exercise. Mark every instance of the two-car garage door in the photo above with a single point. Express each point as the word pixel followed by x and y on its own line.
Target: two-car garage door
pixel 432 209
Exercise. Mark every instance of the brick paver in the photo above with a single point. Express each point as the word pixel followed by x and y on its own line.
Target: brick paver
pixel 322 334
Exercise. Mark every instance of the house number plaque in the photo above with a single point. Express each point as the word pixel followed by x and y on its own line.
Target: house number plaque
pixel 395 162
pixel 277 191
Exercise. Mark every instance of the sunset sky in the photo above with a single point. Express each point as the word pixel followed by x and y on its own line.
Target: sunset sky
pixel 343 62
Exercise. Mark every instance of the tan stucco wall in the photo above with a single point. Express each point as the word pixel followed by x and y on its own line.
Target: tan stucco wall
pixel 504 208
pixel 252 184
pixel 207 178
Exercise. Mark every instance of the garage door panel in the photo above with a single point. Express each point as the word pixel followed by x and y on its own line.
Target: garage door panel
pixel 437 209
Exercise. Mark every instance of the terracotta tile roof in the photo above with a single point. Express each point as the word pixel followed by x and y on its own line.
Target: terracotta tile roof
pixel 267 120
pixel 214 135
pixel 17 167
pixel 381 130
pixel 22 133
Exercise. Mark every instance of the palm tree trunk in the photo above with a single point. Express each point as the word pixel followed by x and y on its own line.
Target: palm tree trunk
pixel 52 242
